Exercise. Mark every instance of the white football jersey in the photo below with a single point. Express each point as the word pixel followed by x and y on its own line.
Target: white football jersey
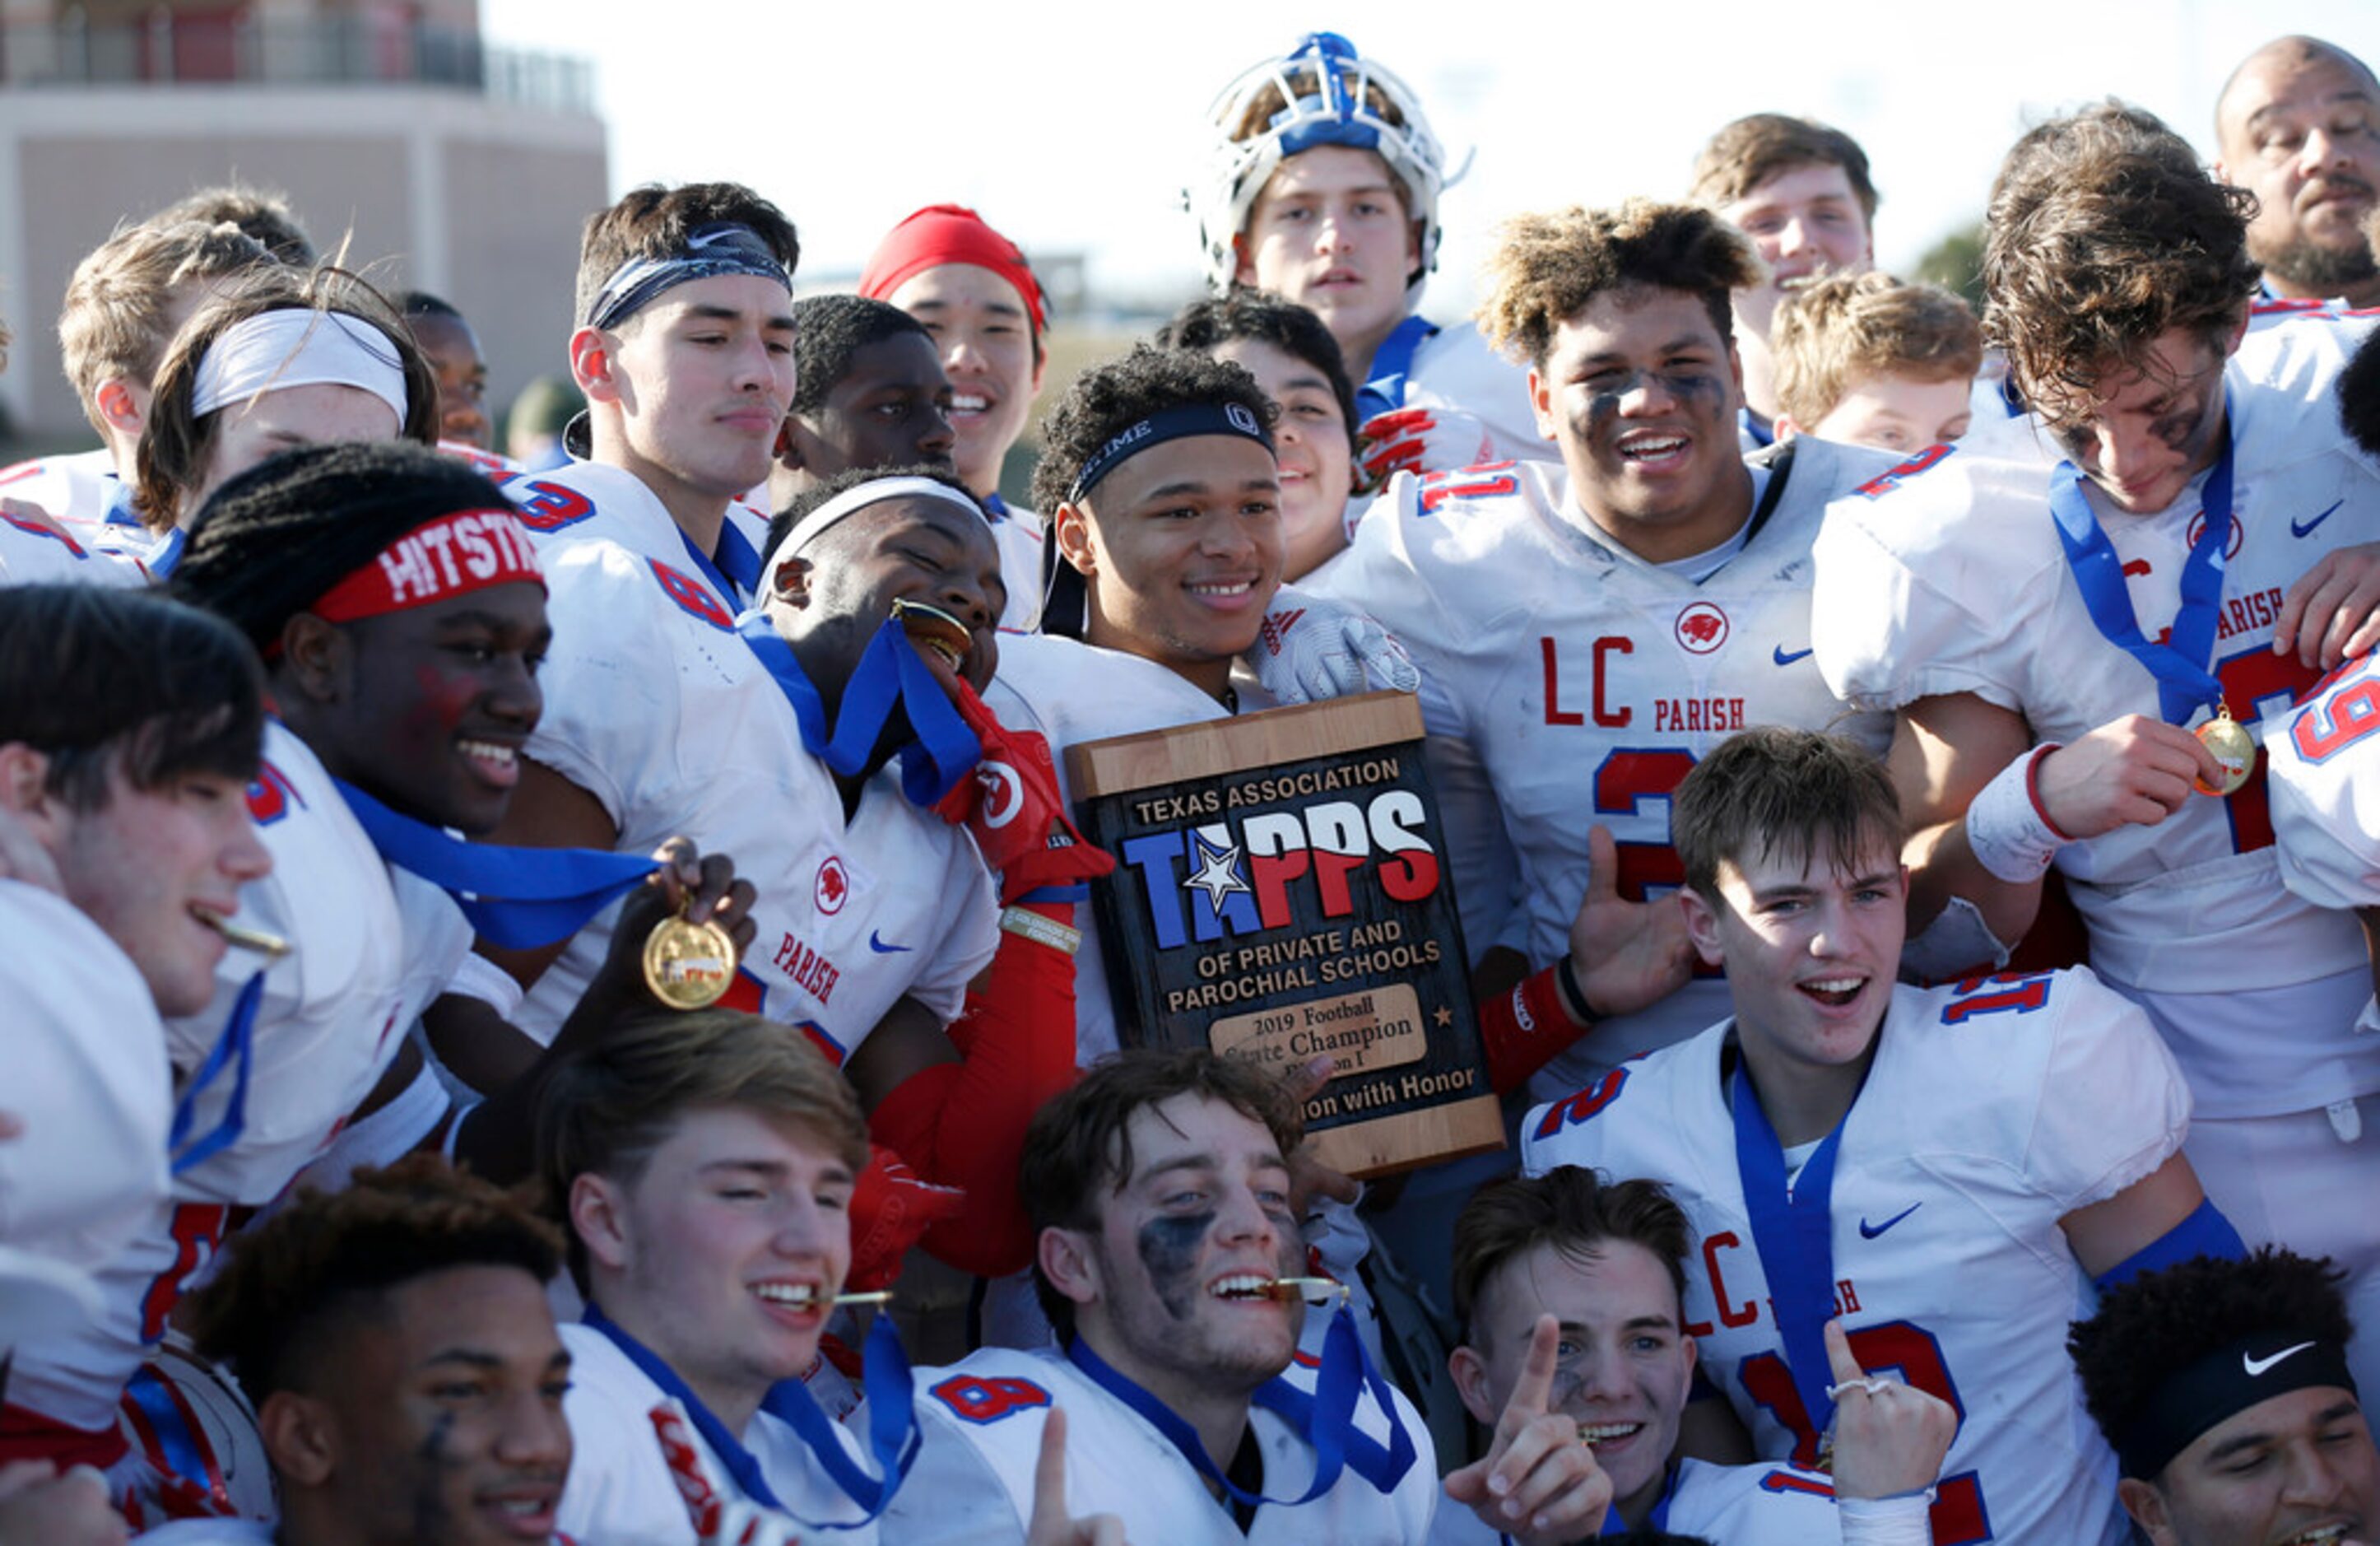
pixel 2325 788
pixel 1950 1266
pixel 87 1077
pixel 79 488
pixel 1454 368
pixel 1587 682
pixel 623 1486
pixel 1740 1505
pixel 656 707
pixel 32 553
pixel 372 946
pixel 1021 535
pixel 982 1418
pixel 1951 579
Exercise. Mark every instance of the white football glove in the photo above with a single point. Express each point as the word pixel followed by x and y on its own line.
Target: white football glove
pixel 1311 649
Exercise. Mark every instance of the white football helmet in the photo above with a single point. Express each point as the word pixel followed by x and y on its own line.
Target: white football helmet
pixel 195 1449
pixel 1329 87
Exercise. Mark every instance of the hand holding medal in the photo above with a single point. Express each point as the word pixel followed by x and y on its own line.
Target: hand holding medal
pixel 688 954
pixel 2233 747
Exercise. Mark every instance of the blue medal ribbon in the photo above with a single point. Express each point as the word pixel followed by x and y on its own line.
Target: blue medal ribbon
pixel 1793 1236
pixel 1326 1420
pixel 2184 683
pixel 1391 364
pixel 890 672
pixel 734 571
pixel 516 899
pixel 235 1049
pixel 893 1433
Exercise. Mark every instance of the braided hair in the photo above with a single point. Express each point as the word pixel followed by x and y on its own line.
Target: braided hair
pixel 274 540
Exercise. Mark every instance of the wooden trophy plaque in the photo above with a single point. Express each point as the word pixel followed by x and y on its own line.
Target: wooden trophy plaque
pixel 1280 895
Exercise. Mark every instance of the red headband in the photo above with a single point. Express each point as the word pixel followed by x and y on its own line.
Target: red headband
pixel 453 555
pixel 951 233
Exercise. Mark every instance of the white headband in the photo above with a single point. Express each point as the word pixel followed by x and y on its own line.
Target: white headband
pixel 298 347
pixel 874 491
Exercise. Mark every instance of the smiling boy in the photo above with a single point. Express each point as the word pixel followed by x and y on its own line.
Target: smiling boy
pixel 1803 1139
pixel 1160 1190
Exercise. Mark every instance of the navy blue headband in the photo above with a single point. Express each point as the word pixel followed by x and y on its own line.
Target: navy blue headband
pixel 1173 424
pixel 2220 1386
pixel 722 246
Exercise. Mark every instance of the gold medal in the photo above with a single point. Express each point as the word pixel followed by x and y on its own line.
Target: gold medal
pixel 2232 747
pixel 688 966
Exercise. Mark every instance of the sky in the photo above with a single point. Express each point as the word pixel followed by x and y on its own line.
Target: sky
pixel 1073 127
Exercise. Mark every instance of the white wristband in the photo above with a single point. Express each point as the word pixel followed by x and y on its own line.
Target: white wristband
pixel 1901 1521
pixel 2005 825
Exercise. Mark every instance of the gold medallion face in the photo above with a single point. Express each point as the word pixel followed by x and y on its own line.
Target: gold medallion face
pixel 2233 747
pixel 688 966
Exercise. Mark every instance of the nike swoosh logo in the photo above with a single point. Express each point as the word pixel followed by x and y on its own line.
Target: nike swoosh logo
pixel 1870 1231
pixel 876 943
pixel 2257 1366
pixel 1784 659
pixel 2305 529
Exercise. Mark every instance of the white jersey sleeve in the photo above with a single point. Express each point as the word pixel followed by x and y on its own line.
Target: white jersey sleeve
pixel 2113 1106
pixel 2325 773
pixel 1904 607
pixel 89 1079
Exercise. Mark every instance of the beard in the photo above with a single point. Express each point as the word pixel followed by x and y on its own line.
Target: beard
pixel 2322 271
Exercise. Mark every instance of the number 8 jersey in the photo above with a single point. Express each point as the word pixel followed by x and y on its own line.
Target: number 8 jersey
pixel 1951 1268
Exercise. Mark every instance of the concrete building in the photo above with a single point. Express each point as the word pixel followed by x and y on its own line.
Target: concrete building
pixel 448 165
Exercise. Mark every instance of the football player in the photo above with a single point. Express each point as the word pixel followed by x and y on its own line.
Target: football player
pixel 705 1164
pixel 406 1375
pixel 2068 647
pixel 977 296
pixel 402 684
pixel 1808 1142
pixel 1575 1357
pixel 1297 362
pixel 1168 1258
pixel 2298 124
pixel 1321 185
pixel 276 359
pixel 130 727
pixel 868 394
pixel 1165 607
pixel 2224 1387
pixel 1650 596
pixel 772 735
pixel 124 303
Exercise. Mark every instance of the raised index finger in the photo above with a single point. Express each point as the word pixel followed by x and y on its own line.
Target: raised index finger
pixel 1535 1388
pixel 1838 1355
pixel 1049 1471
